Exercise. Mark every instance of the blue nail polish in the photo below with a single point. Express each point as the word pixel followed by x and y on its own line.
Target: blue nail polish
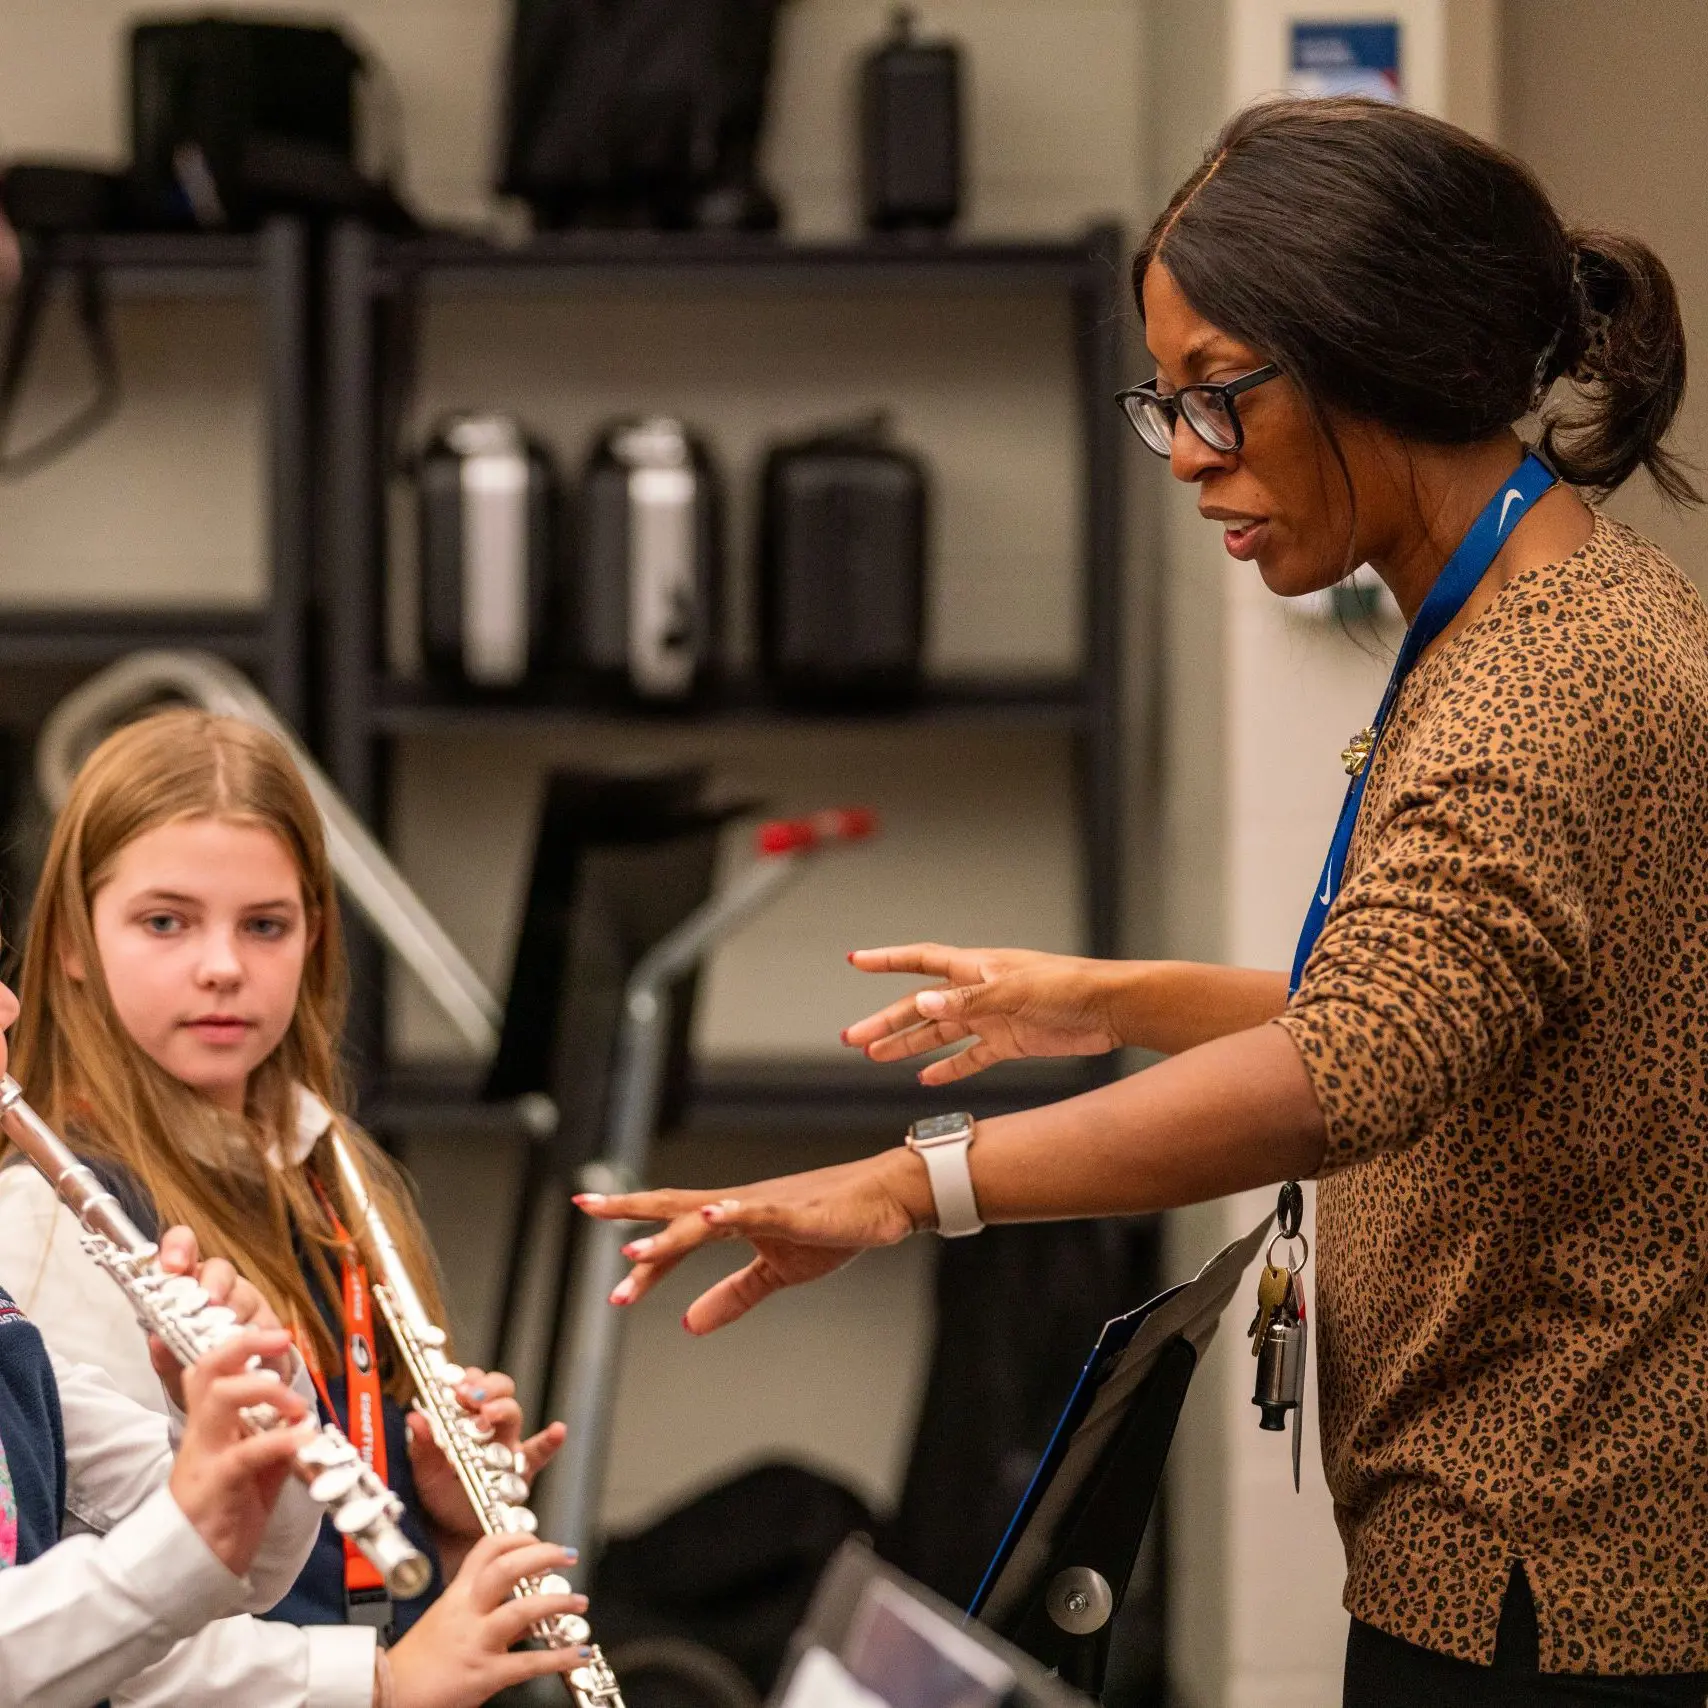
pixel 479 1394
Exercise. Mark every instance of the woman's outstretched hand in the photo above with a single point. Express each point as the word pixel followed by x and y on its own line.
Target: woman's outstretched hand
pixel 1013 1002
pixel 801 1227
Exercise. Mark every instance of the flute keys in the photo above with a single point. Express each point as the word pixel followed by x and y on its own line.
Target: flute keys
pixel 554 1584
pixel 510 1488
pixel 182 1294
pixel 474 1430
pixel 327 1450
pixel 356 1515
pixel 217 1320
pixel 518 1519
pixel 495 1456
pixel 335 1483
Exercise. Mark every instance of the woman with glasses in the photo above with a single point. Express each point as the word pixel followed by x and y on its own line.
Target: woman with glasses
pixel 1492 1047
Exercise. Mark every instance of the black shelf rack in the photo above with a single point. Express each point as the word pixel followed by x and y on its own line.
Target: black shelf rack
pixel 374 282
pixel 271 267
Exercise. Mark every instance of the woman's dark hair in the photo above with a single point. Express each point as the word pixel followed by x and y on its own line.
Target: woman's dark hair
pixel 1400 270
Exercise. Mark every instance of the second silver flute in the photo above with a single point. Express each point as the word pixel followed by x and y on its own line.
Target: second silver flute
pixel 175 1308
pixel 490 1473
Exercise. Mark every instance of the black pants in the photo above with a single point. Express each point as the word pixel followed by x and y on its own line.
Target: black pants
pixel 1384 1672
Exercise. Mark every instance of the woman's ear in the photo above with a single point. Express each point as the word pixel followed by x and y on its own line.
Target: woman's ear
pixel 71 963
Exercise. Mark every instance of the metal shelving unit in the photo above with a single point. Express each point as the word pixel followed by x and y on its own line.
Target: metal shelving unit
pixel 270 267
pixel 369 277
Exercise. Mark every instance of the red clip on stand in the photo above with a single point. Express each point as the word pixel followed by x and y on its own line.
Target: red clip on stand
pixel 785 845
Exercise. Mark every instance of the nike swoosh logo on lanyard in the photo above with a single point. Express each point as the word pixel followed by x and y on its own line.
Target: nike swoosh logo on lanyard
pixel 1512 496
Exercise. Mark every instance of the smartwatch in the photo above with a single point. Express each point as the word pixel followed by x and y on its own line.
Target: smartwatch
pixel 942 1143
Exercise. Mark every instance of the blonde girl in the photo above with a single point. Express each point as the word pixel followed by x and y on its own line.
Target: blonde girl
pixel 183 991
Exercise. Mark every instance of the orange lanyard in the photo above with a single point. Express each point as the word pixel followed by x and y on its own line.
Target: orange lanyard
pixel 362 1394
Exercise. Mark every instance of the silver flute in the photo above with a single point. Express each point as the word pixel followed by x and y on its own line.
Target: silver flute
pixel 492 1475
pixel 175 1308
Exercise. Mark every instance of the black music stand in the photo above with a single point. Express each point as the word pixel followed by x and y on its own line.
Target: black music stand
pixel 873 1638
pixel 619 861
pixel 1061 1572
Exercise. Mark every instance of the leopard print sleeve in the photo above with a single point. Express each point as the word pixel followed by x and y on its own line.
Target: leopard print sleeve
pixel 1463 923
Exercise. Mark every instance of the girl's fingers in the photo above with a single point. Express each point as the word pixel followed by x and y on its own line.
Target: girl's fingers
pixel 537 1450
pixel 511 1621
pixel 523 1664
pixel 256 1388
pixel 272 1447
pixel 219 1281
pixel 496 1564
pixel 178 1254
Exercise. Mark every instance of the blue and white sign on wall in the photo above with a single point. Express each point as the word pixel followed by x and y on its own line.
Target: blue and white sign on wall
pixel 1347 59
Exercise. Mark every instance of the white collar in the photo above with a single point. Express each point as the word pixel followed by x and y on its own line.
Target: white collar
pixel 313 1118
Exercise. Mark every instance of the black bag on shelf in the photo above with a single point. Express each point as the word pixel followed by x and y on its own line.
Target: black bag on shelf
pixel 649 562
pixel 236 118
pixel 910 132
pixel 843 519
pixel 639 112
pixel 488 503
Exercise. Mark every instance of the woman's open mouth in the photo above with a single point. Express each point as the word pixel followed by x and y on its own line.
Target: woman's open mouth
pixel 1243 536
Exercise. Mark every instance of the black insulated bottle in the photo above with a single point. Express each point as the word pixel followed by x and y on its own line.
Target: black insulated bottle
pixel 910 124
pixel 843 545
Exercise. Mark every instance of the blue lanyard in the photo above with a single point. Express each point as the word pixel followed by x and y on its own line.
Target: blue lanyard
pixel 1444 601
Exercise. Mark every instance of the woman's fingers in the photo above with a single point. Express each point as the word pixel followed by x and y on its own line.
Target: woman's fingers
pixel 733 1297
pixel 662 1206
pixel 933 960
pixel 219 1281
pixel 920 1041
pixel 963 1065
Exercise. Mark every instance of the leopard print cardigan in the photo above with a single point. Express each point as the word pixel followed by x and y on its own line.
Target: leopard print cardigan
pixel 1506 1023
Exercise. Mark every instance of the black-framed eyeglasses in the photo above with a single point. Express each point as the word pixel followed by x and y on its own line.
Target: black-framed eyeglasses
pixel 1207 409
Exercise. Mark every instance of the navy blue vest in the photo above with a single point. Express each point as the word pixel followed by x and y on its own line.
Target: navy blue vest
pixel 32 1441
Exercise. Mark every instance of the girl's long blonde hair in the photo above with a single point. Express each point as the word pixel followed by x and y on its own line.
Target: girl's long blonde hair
pixel 85 1073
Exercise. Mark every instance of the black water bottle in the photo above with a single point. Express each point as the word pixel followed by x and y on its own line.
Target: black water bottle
pixel 842 568
pixel 910 122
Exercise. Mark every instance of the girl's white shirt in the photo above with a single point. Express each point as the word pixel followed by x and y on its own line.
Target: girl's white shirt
pixel 85 1320
pixel 131 1579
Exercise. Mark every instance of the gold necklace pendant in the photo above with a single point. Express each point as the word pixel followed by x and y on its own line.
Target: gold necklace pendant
pixel 1356 754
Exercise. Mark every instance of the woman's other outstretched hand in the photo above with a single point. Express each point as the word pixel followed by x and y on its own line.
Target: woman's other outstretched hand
pixel 801 1227
pixel 1013 1003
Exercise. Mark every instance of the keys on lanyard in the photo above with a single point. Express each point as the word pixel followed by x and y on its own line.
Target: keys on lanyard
pixel 1279 1332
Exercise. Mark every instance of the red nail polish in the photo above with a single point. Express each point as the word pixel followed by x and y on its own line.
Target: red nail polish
pixel 685 1322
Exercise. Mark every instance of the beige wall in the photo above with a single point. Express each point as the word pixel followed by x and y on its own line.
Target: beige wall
pixel 1605 101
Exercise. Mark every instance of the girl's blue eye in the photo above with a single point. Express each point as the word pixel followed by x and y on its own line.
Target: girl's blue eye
pixel 270 930
pixel 160 923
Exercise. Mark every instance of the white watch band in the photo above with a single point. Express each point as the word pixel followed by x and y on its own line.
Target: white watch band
pixel 942 1143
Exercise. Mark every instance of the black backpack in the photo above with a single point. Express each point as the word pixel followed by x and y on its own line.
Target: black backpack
pixel 642 113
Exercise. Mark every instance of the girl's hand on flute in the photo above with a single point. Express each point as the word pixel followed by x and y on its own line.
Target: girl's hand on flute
pixel 800 1227
pixel 490 1396
pixel 224 1286
pixel 225 1479
pixel 1012 1003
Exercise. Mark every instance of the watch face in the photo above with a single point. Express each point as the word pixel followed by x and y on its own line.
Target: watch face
pixel 934 1129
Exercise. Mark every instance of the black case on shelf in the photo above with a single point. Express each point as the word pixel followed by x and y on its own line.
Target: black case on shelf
pixel 842 572
pixel 649 562
pixel 910 132
pixel 488 504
